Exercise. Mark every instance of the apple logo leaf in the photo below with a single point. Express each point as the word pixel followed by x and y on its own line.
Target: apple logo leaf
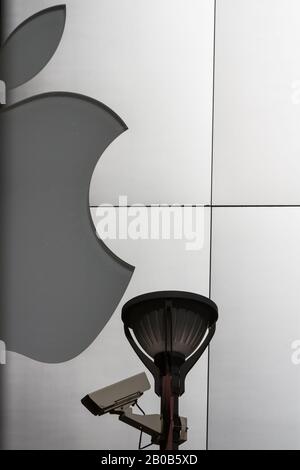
pixel 60 283
pixel 31 45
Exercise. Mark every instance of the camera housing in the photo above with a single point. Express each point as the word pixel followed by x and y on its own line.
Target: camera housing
pixel 117 396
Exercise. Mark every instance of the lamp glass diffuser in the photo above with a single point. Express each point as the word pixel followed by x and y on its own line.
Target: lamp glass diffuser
pixel 170 326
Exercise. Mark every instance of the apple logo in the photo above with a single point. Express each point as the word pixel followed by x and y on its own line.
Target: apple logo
pixel 60 284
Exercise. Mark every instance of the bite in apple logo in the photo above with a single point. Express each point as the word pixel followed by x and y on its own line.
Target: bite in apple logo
pixel 59 284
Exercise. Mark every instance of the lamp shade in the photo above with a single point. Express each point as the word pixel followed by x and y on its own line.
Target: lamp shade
pixel 171 330
pixel 169 321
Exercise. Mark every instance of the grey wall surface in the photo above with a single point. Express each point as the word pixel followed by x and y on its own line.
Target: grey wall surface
pixel 156 73
pixel 146 63
pixel 43 409
pixel 257 103
pixel 152 63
pixel 254 383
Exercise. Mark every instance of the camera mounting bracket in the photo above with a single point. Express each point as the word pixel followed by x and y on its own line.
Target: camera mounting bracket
pixel 149 424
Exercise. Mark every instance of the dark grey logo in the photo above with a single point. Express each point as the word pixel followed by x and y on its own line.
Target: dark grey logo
pixel 61 284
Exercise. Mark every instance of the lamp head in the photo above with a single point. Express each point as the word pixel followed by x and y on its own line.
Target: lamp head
pixel 172 330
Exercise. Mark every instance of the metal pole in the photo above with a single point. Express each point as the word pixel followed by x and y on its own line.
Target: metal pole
pixel 170 416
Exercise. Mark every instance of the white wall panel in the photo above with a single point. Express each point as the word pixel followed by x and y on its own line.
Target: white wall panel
pixel 254 379
pixel 257 102
pixel 42 403
pixel 152 63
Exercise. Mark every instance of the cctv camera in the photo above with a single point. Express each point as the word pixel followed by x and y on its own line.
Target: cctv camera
pixel 119 398
pixel 116 396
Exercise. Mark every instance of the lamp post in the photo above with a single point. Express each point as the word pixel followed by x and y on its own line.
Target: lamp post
pixel 169 331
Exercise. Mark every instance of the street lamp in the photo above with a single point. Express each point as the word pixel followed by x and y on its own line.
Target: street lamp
pixel 169 331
